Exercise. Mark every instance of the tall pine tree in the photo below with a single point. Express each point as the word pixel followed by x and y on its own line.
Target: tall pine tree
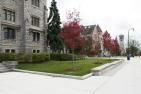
pixel 54 28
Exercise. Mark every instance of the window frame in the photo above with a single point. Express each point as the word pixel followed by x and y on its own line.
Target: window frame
pixel 35 51
pixel 9 33
pixel 36 36
pixel 38 51
pixel 9 15
pixel 36 3
pixel 13 51
pixel 35 21
pixel 10 51
pixel 7 50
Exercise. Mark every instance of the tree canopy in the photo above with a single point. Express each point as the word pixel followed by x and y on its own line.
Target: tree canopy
pixel 134 47
pixel 54 28
pixel 71 31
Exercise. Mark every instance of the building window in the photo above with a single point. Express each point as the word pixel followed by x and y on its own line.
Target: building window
pixel 35 21
pixel 38 51
pixel 12 50
pixel 7 50
pixel 34 51
pixel 9 15
pixel 9 33
pixel 36 36
pixel 36 3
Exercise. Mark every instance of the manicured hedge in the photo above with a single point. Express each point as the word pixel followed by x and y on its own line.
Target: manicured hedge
pixel 25 58
pixel 37 58
pixel 64 57
pixel 7 57
pixel 33 58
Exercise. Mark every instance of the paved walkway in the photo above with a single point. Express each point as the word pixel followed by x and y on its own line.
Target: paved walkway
pixel 24 83
pixel 127 80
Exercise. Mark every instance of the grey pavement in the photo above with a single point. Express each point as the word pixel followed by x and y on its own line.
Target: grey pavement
pixel 125 79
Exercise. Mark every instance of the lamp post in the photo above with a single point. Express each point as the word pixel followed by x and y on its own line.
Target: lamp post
pixel 128 54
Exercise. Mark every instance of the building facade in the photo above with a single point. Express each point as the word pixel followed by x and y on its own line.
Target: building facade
pixel 121 44
pixel 23 26
pixel 94 34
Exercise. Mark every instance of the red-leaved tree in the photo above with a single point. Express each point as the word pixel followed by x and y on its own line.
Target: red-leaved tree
pixel 110 45
pixel 71 31
pixel 115 46
pixel 107 41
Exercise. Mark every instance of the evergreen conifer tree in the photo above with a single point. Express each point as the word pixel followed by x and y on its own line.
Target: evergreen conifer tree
pixel 54 28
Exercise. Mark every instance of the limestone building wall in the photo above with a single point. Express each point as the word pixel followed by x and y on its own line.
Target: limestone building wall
pixel 24 11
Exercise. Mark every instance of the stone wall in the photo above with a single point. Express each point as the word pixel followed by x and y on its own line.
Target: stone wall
pixel 24 39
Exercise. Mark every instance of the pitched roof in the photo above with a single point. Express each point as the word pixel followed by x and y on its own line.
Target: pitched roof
pixel 99 29
pixel 87 29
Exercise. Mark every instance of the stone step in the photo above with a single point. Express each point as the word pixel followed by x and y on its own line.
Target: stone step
pixel 6 66
pixel 1 65
pixel 3 68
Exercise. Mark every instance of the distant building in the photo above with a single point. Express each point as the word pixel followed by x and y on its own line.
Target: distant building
pixel 121 44
pixel 23 26
pixel 94 34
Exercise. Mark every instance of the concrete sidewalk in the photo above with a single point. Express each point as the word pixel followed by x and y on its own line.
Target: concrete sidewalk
pixel 126 81
pixel 25 83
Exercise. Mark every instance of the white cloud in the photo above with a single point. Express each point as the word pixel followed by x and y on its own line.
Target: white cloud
pixel 116 16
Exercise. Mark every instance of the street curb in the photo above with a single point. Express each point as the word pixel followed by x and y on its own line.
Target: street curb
pixel 94 72
pixel 98 71
pixel 55 75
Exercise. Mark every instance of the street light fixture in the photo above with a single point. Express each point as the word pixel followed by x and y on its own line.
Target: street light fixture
pixel 128 53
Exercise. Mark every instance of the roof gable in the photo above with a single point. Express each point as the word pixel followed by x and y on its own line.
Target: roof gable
pixel 87 29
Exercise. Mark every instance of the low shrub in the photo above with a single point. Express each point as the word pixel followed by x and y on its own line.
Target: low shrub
pixel 33 58
pixel 64 57
pixel 92 53
pixel 7 57
pixel 80 57
pixel 40 57
pixel 60 57
pixel 24 58
pixel 54 56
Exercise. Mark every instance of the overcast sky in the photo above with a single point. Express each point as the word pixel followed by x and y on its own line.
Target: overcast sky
pixel 115 16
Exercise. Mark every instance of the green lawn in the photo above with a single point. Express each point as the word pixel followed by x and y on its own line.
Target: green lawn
pixel 78 68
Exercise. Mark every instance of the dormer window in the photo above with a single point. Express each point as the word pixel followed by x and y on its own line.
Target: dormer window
pixel 36 3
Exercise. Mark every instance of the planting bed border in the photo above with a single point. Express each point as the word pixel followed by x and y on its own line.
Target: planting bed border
pixel 94 72
pixel 98 71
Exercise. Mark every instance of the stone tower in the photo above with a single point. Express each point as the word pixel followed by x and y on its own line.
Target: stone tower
pixel 121 44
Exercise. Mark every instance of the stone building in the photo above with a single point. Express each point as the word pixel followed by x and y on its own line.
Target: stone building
pixel 23 26
pixel 94 34
pixel 121 44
